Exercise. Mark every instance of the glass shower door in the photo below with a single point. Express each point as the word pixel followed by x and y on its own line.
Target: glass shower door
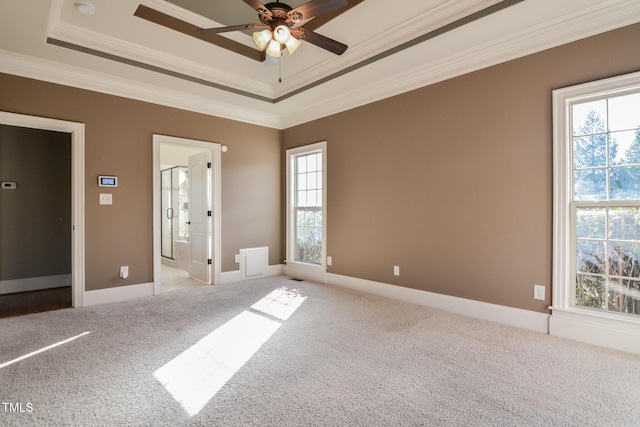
pixel 167 214
pixel 175 206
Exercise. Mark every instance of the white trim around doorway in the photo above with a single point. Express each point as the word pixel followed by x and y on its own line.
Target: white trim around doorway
pixel 77 190
pixel 216 152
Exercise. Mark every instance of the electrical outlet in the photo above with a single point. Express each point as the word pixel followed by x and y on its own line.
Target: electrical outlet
pixel 396 270
pixel 236 259
pixel 329 260
pixel 124 272
pixel 538 292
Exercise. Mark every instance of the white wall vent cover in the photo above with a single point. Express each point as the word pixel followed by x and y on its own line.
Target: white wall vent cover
pixel 254 262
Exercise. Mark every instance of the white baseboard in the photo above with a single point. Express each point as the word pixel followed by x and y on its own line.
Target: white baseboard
pixel 120 293
pixel 517 317
pixel 236 276
pixel 230 276
pixel 34 283
pixel 604 332
pixel 520 318
pixel 306 272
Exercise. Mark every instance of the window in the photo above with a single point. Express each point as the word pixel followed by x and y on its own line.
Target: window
pixel 597 198
pixel 306 201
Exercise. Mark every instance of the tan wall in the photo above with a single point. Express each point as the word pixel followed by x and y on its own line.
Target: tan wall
pixel 35 218
pixel 453 182
pixel 118 136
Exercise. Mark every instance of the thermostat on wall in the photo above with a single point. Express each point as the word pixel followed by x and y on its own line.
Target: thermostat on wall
pixel 8 185
pixel 107 181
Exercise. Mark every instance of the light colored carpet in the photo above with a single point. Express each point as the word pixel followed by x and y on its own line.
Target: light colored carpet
pixel 341 358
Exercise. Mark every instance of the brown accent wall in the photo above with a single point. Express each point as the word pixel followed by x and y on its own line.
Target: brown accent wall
pixel 35 218
pixel 118 135
pixel 453 182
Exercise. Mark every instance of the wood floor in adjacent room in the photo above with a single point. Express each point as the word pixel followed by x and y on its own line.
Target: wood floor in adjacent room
pixel 20 303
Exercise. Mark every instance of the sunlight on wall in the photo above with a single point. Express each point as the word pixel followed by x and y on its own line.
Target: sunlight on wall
pixel 197 374
pixel 33 353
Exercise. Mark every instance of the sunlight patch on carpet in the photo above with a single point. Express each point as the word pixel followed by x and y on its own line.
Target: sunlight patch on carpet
pixel 280 303
pixel 33 353
pixel 198 373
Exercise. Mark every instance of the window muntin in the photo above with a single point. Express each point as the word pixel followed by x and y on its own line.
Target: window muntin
pixel 308 207
pixel 605 203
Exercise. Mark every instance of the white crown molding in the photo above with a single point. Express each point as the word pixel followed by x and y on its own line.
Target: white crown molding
pixel 127 50
pixel 54 72
pixel 424 23
pixel 588 22
pixel 603 17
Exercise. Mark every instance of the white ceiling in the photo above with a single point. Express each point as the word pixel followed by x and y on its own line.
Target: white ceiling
pixel 115 52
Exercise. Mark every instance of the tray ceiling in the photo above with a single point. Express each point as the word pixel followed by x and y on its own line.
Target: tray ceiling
pixel 392 49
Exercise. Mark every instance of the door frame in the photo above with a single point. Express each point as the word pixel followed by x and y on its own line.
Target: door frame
pixel 77 190
pixel 215 185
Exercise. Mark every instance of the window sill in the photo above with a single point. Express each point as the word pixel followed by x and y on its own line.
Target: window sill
pixel 594 316
pixel 306 265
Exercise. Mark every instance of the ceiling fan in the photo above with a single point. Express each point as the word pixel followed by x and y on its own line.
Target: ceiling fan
pixel 281 26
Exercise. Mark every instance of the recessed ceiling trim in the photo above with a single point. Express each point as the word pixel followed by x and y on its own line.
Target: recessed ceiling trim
pixel 68 75
pixel 170 73
pixel 147 13
pixel 489 10
pixel 585 23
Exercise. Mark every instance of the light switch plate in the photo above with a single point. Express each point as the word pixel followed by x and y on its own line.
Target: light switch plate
pixel 106 199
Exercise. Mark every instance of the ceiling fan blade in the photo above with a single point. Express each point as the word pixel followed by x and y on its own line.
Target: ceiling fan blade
pixel 314 8
pixel 259 7
pixel 230 28
pixel 319 40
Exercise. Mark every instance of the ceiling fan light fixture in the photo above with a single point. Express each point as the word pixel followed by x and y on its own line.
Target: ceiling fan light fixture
pixel 281 34
pixel 292 44
pixel 262 38
pixel 274 49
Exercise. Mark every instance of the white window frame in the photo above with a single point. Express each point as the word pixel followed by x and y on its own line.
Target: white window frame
pixel 291 155
pixel 610 329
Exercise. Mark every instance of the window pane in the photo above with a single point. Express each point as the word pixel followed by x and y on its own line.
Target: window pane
pixel 590 256
pixel 590 151
pixel 624 148
pixel 624 296
pixel 312 163
pixel 590 291
pixel 591 223
pixel 624 112
pixel 311 198
pixel 624 223
pixel 302 198
pixel 319 179
pixel 589 184
pixel 624 183
pixel 302 181
pixel 301 164
pixel 623 259
pixel 590 117
pixel 311 180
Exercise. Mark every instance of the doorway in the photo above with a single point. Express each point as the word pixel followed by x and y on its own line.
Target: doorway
pixel 56 278
pixel 186 175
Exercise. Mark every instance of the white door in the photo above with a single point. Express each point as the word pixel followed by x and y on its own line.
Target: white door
pixel 199 219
